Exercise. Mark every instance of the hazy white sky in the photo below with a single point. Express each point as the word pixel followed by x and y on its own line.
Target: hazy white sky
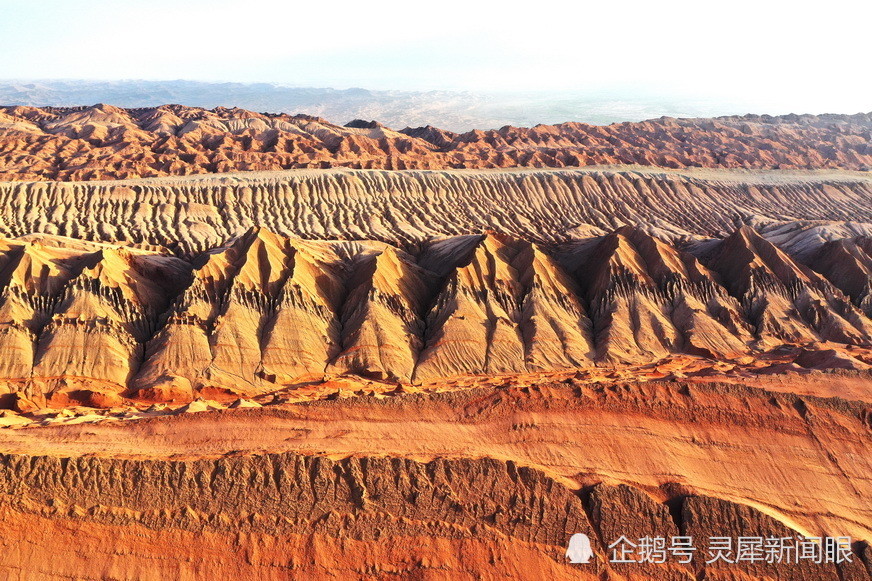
pixel 796 55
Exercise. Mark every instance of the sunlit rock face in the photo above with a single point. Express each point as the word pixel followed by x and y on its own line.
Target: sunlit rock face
pixel 264 311
pixel 428 373
pixel 107 142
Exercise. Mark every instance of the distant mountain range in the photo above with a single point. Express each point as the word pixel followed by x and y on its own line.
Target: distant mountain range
pixel 452 110
pixel 107 142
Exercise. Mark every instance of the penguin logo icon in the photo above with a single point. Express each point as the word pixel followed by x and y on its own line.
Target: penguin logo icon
pixel 579 550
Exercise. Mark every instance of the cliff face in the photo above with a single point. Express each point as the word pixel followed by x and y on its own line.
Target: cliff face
pixel 422 494
pixel 276 516
pixel 106 142
pixel 83 321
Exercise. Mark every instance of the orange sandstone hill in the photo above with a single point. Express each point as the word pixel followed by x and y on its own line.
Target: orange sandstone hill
pixel 430 373
pixel 106 142
pixel 98 324
pixel 483 484
pixel 248 284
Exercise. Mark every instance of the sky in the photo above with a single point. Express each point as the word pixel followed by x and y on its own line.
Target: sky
pixel 768 54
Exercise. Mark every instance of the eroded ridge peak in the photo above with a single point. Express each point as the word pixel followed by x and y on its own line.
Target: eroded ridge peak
pixel 264 311
pixel 107 142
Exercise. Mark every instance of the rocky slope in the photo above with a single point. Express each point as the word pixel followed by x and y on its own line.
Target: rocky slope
pixel 433 374
pixel 485 483
pixel 849 264
pixel 88 322
pixel 106 142
pixel 799 210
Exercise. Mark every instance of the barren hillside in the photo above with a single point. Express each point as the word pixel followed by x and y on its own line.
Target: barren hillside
pixel 406 208
pixel 479 484
pixel 429 373
pixel 106 142
pixel 88 322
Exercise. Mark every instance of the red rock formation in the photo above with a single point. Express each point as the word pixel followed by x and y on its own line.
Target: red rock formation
pixel 106 142
pixel 848 265
pixel 406 208
pixel 265 312
pixel 433 374
pixel 485 483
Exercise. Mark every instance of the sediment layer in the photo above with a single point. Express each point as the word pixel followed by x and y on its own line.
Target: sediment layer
pixel 481 483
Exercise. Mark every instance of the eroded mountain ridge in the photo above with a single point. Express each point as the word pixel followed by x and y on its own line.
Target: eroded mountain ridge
pixel 107 142
pixel 265 312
